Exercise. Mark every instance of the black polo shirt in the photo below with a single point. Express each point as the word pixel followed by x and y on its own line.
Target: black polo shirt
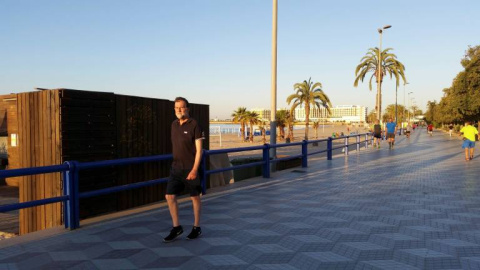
pixel 183 143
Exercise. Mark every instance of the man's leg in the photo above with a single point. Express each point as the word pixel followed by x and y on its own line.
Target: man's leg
pixel 197 209
pixel 173 208
pixel 467 157
pixel 471 152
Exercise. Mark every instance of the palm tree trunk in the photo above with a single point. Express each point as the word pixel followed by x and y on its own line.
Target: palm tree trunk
pixel 251 132
pixel 307 119
pixel 242 130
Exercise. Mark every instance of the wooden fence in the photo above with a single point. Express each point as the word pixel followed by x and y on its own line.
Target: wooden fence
pixel 54 126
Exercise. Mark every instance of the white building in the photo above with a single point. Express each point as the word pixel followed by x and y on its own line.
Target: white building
pixel 341 113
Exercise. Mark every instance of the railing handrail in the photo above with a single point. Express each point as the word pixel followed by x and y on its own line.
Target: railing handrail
pixel 70 170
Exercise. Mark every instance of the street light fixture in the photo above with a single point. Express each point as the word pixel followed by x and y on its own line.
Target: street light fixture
pixel 379 90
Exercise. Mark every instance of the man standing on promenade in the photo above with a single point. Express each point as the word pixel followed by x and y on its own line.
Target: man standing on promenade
pixel 377 134
pixel 468 132
pixel 391 129
pixel 187 141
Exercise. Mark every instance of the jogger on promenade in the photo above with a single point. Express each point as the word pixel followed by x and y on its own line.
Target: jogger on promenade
pixel 468 132
pixel 390 130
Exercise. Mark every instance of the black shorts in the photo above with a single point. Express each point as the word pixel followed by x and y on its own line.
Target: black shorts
pixel 391 135
pixel 408 132
pixel 377 135
pixel 178 183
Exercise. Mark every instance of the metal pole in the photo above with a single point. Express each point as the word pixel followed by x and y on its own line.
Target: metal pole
pixel 379 87
pixel 273 101
pixel 396 114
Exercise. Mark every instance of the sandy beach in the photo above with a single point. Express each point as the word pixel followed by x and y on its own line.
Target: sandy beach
pixel 234 141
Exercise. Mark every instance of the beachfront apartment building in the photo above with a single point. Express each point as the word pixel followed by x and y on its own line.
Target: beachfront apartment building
pixel 341 113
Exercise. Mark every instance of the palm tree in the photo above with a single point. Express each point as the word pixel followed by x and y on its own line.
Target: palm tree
pixel 239 117
pixel 290 122
pixel 281 117
pixel 315 125
pixel 251 118
pixel 263 128
pixel 308 94
pixel 388 65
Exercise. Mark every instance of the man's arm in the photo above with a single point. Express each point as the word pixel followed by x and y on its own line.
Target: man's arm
pixel 198 157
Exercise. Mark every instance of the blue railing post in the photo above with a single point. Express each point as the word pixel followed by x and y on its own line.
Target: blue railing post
pixel 358 143
pixel 203 181
pixel 346 145
pixel 266 159
pixel 66 192
pixel 73 203
pixel 304 154
pixel 329 148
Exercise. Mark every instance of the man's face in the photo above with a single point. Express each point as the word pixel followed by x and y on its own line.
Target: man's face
pixel 390 120
pixel 181 110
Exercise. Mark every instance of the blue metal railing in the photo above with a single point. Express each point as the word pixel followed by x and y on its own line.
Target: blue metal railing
pixel 70 172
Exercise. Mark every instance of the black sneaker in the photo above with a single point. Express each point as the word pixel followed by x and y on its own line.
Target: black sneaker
pixel 195 233
pixel 174 233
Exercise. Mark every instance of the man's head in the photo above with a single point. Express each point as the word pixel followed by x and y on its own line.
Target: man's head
pixel 377 122
pixel 390 120
pixel 467 123
pixel 181 108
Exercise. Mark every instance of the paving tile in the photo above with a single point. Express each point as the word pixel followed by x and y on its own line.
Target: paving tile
pixel 363 251
pixel 455 247
pixel 470 263
pixel 304 243
pixel 257 236
pixel 343 235
pixel 272 267
pixel 425 214
pixel 401 220
pixel 215 262
pixel 356 216
pixel 426 232
pixel 426 259
pixel 326 222
pixel 397 241
pixel 321 260
pixel 294 228
pixel 373 227
pixel 470 236
pixel 384 265
pixel 264 253
pixel 451 224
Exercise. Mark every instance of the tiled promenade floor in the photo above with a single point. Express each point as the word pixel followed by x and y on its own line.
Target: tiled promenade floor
pixel 414 207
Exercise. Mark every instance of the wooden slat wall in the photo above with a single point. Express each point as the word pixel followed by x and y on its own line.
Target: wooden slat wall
pixel 143 129
pixel 8 103
pixel 88 127
pixel 37 144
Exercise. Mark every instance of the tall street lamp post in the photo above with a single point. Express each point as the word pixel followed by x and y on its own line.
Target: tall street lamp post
pixel 396 113
pixel 273 103
pixel 408 107
pixel 404 104
pixel 379 72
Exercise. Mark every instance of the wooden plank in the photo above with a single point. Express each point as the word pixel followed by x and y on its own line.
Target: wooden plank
pixel 56 141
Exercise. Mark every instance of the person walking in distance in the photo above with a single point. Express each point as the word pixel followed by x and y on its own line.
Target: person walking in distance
pixel 468 132
pixel 408 130
pixel 450 129
pixel 390 130
pixel 430 129
pixel 377 134
pixel 187 138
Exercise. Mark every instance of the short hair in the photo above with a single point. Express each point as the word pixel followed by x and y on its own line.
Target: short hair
pixel 182 99
pixel 468 122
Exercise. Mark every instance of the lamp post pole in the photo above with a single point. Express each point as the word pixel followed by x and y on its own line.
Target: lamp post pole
pixel 379 75
pixel 396 112
pixel 273 102
pixel 404 104
pixel 408 107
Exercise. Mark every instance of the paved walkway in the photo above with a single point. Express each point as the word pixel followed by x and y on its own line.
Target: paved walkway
pixel 413 207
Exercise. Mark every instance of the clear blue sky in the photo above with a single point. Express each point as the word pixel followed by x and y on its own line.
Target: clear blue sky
pixel 218 52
